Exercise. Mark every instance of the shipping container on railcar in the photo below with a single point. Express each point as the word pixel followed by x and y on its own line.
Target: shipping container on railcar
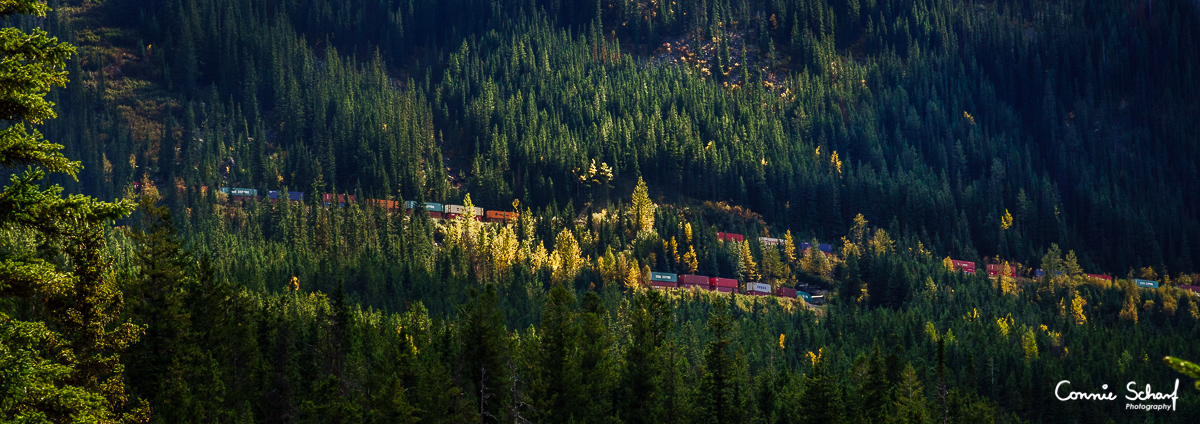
pixel 499 216
pixel 730 237
pixel 237 193
pixel 1194 289
pixel 1146 284
pixel 804 245
pixel 664 279
pixel 806 296
pixel 340 200
pixel 768 241
pixel 758 289
pixel 294 196
pixel 787 292
pixel 1107 278
pixel 994 269
pixel 724 285
pixel 827 248
pixel 964 266
pixel 697 281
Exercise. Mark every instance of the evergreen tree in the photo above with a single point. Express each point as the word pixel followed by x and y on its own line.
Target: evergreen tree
pixel 65 364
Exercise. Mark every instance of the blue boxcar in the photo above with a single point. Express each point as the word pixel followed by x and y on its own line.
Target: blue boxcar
pixel 804 246
pixel 664 276
pixel 807 297
pixel 825 248
pixel 239 191
pixel 433 207
pixel 1146 284
pixel 1038 273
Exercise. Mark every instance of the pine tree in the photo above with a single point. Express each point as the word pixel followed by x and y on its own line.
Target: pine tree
pixel 643 207
pixel 66 367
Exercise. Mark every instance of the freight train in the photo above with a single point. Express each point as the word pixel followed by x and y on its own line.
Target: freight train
pixel 435 210
pixel 666 280
pixel 994 270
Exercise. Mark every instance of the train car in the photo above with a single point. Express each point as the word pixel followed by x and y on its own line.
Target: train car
pixel 730 237
pixel 342 200
pixel 455 211
pixel 1146 284
pixel 787 292
pixel 804 295
pixel 1038 273
pixel 499 216
pixel 995 269
pixel 697 281
pixel 237 193
pixel 804 245
pixel 964 266
pixel 292 196
pixel 758 289
pixel 664 279
pixel 1194 289
pixel 723 285
pixel 389 205
pixel 827 248
pixel 768 241
pixel 434 210
pixel 1107 278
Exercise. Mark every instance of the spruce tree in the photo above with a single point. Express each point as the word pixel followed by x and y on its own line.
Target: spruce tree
pixel 63 365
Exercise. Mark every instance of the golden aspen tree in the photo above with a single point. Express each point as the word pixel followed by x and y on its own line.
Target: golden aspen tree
pixel 789 248
pixel 750 268
pixel 690 262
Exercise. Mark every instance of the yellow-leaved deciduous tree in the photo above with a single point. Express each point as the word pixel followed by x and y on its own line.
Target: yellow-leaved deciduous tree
pixel 789 248
pixel 858 231
pixel 690 262
pixel 566 258
pixel 1071 307
pixel 1006 221
pixel 881 243
pixel 504 250
pixel 1008 284
pixel 643 207
pixel 1133 297
pixel 948 264
pixel 748 266
pixel 687 231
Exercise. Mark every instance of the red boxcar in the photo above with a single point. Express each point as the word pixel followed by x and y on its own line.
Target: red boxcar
pixel 730 237
pixel 1107 278
pixel 786 292
pixel 699 281
pixel 964 266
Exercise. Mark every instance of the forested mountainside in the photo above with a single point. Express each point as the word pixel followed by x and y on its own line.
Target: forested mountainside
pixel 870 144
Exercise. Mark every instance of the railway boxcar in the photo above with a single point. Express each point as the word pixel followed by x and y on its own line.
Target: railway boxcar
pixel 730 237
pixel 827 248
pixel 698 281
pixel 664 279
pixel 804 245
pixel 724 285
pixel 758 289
pixel 1107 278
pixel 787 292
pixel 806 296
pixel 1195 290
